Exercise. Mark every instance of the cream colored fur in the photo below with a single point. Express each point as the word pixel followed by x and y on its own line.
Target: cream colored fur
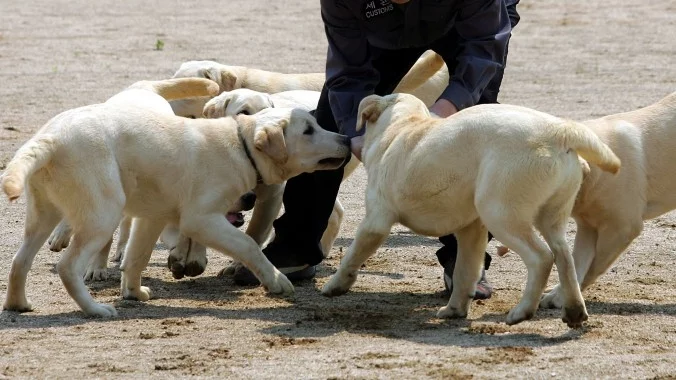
pixel 132 156
pixel 269 201
pixel 506 168
pixel 610 209
pixel 427 79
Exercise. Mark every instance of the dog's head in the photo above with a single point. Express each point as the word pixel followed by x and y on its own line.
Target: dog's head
pixel 288 142
pixel 241 101
pixel 385 110
pixel 377 113
pixel 225 76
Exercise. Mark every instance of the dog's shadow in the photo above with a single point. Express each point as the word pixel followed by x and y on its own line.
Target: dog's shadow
pixel 397 239
pixel 309 316
pixel 397 316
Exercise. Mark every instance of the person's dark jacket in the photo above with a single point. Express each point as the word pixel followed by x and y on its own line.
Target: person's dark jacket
pixel 357 28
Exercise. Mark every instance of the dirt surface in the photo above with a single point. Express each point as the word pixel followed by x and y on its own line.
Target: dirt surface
pixel 576 59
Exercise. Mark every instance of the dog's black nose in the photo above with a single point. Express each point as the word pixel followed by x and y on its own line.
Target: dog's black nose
pixel 248 201
pixel 348 141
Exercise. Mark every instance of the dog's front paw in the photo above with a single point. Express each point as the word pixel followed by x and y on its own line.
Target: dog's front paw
pixel 339 284
pixel 176 266
pixel 59 240
pixel 100 310
pixel 96 274
pixel 448 312
pixel 280 285
pixel 195 268
pixel 518 314
pixel 21 306
pixel 552 300
pixel 574 315
pixel 231 269
pixel 142 293
pixel 119 252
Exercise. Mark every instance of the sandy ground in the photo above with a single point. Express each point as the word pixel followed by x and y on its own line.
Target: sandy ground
pixel 576 59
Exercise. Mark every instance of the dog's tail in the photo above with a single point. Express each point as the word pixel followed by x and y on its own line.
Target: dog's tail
pixel 588 145
pixel 179 88
pixel 32 156
pixel 423 69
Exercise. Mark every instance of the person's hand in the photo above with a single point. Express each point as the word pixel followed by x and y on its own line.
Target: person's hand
pixel 443 108
pixel 356 144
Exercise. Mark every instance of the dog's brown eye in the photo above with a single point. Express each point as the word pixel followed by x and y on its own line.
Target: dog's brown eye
pixel 244 112
pixel 309 130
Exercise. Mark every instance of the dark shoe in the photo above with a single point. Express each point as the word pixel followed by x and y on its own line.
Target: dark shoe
pixel 292 265
pixel 484 290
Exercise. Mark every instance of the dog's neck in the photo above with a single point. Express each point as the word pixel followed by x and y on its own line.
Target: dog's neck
pixel 259 178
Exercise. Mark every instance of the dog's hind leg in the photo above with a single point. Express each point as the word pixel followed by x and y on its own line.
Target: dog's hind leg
pixel 371 233
pixel 98 266
pixel 123 238
pixel 552 221
pixel 60 238
pixel 144 234
pixel 197 259
pixel 584 250
pixel 178 245
pixel 511 225
pixel 41 218
pixel 613 239
pixel 91 235
pixel 471 247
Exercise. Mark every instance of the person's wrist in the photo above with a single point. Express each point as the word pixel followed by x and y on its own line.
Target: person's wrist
pixel 443 108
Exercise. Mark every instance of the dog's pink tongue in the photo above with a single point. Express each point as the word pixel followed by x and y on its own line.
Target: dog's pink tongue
pixel 232 217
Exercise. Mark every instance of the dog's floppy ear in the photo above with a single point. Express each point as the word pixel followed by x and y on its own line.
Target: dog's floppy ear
pixel 225 78
pixel 369 111
pixel 228 80
pixel 270 141
pixel 215 108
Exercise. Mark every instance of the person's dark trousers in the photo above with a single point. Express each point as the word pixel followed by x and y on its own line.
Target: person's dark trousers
pixel 309 198
pixel 449 251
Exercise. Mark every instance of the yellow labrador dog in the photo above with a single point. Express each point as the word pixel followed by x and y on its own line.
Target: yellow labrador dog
pixel 190 259
pixel 506 168
pixel 610 210
pixel 426 79
pixel 132 156
pixel 245 101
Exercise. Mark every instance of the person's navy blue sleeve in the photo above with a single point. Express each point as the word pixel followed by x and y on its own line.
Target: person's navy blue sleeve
pixel 484 29
pixel 350 75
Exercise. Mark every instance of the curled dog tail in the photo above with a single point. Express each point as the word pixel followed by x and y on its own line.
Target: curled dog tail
pixel 588 145
pixel 31 157
pixel 179 88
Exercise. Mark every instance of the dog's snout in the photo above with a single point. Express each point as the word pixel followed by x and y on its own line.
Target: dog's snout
pixel 248 201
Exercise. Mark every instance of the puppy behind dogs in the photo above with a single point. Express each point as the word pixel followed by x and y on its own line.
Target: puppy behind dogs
pixel 501 167
pixel 132 156
pixel 610 210
pixel 426 79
